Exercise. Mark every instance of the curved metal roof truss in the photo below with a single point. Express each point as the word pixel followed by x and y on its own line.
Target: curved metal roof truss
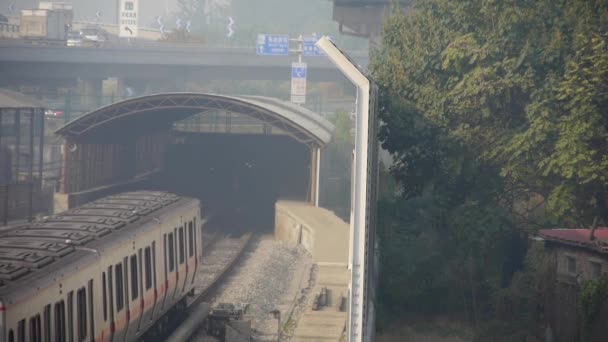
pixel 298 122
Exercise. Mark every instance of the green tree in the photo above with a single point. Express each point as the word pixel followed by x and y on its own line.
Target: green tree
pixel 495 114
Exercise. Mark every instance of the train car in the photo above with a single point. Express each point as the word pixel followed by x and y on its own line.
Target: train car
pixel 106 271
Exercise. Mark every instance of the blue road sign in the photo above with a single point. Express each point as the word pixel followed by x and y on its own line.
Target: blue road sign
pixel 309 47
pixel 273 45
pixel 298 70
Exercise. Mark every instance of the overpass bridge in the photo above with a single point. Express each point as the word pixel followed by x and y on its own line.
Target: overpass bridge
pixel 152 61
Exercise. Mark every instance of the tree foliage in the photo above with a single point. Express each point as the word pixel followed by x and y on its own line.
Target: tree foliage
pixel 496 115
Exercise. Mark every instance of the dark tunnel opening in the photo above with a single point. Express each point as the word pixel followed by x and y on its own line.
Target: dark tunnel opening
pixel 238 177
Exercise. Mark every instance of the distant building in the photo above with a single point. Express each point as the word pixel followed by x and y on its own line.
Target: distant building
pixel 364 18
pixel 578 259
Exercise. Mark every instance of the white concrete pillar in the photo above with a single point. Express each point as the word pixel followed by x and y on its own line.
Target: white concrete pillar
pixel 315 162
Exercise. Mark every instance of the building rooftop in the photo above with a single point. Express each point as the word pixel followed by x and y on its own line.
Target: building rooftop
pixel 578 238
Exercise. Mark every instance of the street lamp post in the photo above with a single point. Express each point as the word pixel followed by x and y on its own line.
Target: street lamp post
pixel 362 232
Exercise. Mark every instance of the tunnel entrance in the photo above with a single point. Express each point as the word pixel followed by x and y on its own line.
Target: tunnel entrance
pixel 237 154
pixel 238 176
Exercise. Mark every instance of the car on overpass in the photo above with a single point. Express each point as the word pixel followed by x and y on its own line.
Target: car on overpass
pixel 74 39
pixel 93 36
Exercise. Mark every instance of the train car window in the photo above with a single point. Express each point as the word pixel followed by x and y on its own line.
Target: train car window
pixel 165 253
pixel 60 321
pixel 171 252
pixel 47 322
pixel 81 314
pixel 190 239
pixel 154 272
pixel 21 331
pixel 140 266
pixel 182 253
pixel 125 276
pixel 134 287
pixel 195 238
pixel 35 333
pixel 148 267
pixel 120 303
pixel 104 296
pixel 11 336
pixel 91 310
pixel 71 316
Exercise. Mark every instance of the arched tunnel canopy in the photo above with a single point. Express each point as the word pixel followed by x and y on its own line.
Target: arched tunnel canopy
pixel 155 112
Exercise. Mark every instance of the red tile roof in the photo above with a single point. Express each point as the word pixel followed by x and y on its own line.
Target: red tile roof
pixel 578 237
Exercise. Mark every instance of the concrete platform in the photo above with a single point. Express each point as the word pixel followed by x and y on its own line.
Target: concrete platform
pixel 319 230
pixel 326 237
pixel 328 323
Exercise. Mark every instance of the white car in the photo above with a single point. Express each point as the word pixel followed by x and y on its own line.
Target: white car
pixel 74 39
pixel 93 36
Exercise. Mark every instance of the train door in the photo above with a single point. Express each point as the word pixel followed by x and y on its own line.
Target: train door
pixel 110 285
pixel 142 294
pixel 169 264
pixel 70 316
pixel 147 290
pixel 121 309
pixel 133 297
pixel 192 259
pixel 173 262
pixel 183 265
pixel 154 283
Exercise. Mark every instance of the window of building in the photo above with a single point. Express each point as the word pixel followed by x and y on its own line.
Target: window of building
pixel 81 313
pixel 120 294
pixel 571 264
pixel 148 267
pixel 134 283
pixel 596 269
pixel 11 336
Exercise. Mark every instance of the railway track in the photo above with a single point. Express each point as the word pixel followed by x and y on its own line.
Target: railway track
pixel 222 253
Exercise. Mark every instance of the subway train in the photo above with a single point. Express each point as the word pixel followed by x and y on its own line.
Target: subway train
pixel 106 271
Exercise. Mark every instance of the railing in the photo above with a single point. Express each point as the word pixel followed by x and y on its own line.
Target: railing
pixel 20 201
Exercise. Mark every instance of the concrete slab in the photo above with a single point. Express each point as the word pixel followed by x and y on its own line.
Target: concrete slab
pixel 319 230
pixel 326 237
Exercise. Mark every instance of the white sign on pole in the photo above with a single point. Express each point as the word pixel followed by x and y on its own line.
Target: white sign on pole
pixel 127 18
pixel 298 83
